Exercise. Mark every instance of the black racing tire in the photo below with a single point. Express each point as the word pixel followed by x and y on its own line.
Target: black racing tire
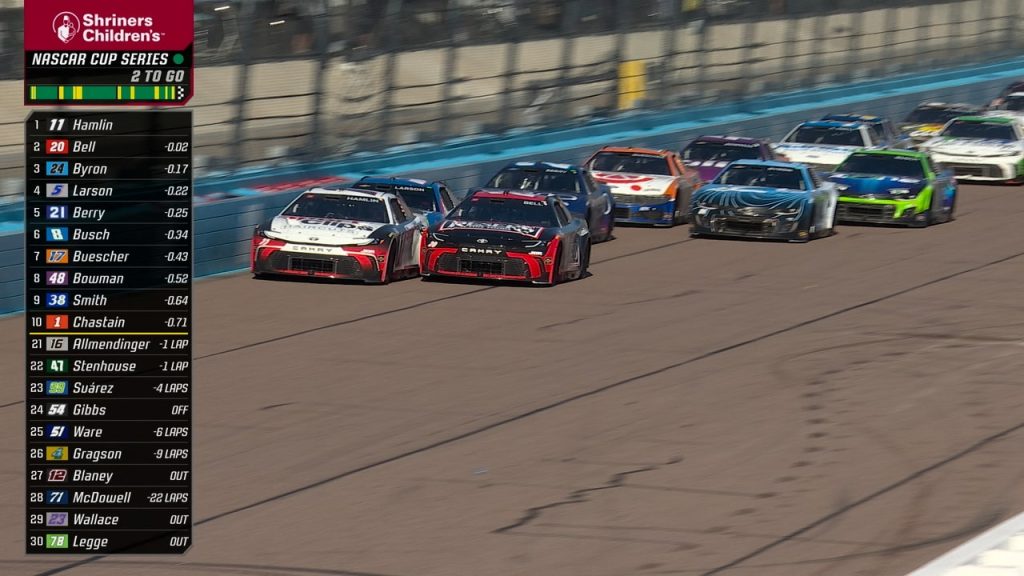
pixel 556 276
pixel 585 260
pixel 389 273
pixel 678 207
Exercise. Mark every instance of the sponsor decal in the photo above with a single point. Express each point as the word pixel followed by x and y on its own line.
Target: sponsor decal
pixel 522 229
pixel 484 251
pixel 620 178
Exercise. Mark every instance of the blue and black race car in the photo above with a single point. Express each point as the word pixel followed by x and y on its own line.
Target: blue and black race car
pixel 586 198
pixel 765 199
pixel 431 199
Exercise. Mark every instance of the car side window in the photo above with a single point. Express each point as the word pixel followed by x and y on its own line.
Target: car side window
pixel 563 215
pixel 446 199
pixel 400 214
pixel 877 134
pixel 815 181
pixel 591 184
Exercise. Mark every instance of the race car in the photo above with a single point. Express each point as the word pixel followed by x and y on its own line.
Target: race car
pixel 883 133
pixel 1012 106
pixel 710 154
pixel 586 198
pixel 1015 86
pixel 341 234
pixel 507 235
pixel 894 187
pixel 928 118
pixel 982 148
pixel 649 186
pixel 765 199
pixel 431 199
pixel 823 144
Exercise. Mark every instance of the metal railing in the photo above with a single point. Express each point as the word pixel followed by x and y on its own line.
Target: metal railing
pixel 297 80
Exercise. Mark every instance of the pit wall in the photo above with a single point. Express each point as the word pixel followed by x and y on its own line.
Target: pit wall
pixel 223 228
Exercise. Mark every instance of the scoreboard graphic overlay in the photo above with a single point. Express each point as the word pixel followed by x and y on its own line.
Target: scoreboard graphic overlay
pixel 109 331
pixel 119 52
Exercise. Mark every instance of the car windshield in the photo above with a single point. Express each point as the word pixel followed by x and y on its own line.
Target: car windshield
pixel 933 115
pixel 546 179
pixel 720 152
pixel 507 210
pixel 833 135
pixel 416 197
pixel 626 162
pixel 339 207
pixel 420 199
pixel 980 130
pixel 882 165
pixel 1015 103
pixel 762 176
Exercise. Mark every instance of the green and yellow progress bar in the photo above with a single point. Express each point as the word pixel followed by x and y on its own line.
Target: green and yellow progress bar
pixel 144 93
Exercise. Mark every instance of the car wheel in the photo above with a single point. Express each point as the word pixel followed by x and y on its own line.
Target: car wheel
pixel 679 215
pixel 585 260
pixel 389 271
pixel 556 276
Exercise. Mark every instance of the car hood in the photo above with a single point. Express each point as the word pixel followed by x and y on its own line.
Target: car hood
pixel 760 200
pixel 815 153
pixel 635 184
pixel 874 186
pixel 499 233
pixel 973 147
pixel 330 231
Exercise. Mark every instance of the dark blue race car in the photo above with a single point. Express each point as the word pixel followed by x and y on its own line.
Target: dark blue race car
pixel 765 199
pixel 431 199
pixel 586 198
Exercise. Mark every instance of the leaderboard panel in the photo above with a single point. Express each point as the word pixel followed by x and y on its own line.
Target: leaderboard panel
pixel 109 332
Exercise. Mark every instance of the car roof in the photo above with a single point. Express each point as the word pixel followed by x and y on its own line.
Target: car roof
pixel 989 119
pixel 947 106
pixel 831 124
pixel 890 152
pixel 509 194
pixel 721 139
pixel 852 117
pixel 769 164
pixel 396 181
pixel 351 192
pixel 635 150
pixel 540 165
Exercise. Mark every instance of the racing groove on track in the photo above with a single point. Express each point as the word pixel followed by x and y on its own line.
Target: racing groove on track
pixel 837 396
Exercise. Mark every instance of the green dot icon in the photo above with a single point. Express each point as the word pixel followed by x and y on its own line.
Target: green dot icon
pixel 178 59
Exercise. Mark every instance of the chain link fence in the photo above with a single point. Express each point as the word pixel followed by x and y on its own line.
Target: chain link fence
pixel 282 81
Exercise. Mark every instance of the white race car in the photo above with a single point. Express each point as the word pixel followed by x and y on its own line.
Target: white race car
pixel 824 144
pixel 351 234
pixel 983 148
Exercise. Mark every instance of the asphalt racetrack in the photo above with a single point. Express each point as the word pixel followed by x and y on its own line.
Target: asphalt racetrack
pixel 851 406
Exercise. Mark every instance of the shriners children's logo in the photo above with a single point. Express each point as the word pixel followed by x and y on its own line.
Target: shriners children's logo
pixel 66 26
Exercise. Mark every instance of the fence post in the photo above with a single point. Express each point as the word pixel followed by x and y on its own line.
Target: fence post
pixel 856 45
pixel 570 16
pixel 668 56
pixel 321 40
pixel 245 18
pixel 448 72
pixel 390 30
pixel 511 64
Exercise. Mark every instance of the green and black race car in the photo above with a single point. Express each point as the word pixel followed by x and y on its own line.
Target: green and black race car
pixel 894 187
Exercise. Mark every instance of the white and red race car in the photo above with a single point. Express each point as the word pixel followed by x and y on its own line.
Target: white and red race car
pixel 341 234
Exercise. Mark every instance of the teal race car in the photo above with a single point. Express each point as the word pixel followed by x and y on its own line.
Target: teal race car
pixel 894 187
